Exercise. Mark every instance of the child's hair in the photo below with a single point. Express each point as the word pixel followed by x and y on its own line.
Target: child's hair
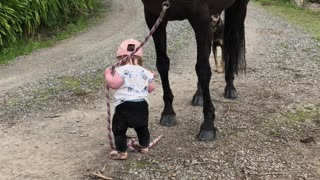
pixel 140 60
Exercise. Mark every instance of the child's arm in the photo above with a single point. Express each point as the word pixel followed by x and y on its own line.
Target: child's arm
pixel 152 85
pixel 113 81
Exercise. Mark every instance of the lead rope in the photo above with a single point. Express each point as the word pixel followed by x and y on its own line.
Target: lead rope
pixel 165 6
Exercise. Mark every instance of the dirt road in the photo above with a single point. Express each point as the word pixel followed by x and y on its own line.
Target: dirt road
pixel 259 134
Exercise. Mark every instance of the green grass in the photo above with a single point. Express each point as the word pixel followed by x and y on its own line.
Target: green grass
pixel 304 18
pixel 305 113
pixel 49 37
pixel 295 119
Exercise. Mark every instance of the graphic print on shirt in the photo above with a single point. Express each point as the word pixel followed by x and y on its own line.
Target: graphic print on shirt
pixel 143 75
pixel 127 73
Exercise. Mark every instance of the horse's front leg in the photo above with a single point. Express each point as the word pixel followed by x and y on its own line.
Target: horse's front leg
pixel 203 37
pixel 168 116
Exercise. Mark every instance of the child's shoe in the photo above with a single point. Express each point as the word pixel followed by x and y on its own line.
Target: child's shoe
pixel 116 155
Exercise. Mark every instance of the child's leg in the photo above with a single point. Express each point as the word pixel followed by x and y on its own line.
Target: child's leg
pixel 143 135
pixel 120 139
pixel 119 128
pixel 139 117
pixel 121 144
pixel 143 138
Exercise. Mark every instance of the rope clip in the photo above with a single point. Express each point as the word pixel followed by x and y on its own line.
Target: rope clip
pixel 166 4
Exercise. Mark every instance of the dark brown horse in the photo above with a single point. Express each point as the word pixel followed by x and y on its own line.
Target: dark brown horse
pixel 198 13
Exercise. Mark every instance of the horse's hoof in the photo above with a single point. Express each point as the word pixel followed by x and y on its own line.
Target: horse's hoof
pixel 168 120
pixel 207 135
pixel 230 94
pixel 197 100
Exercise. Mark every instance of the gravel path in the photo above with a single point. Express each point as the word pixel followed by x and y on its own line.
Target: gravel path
pixel 259 134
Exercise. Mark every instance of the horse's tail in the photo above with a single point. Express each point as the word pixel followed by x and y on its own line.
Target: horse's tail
pixel 234 37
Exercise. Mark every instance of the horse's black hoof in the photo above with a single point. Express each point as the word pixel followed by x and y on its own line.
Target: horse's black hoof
pixel 197 100
pixel 207 135
pixel 168 120
pixel 230 94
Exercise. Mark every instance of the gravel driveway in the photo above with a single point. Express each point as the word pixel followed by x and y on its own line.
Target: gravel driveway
pixel 271 132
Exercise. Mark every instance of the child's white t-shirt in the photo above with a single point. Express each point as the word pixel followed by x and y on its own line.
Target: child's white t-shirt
pixel 135 85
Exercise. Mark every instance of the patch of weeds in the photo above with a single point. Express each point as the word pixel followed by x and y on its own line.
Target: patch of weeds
pixel 281 60
pixel 298 75
pixel 308 50
pixel 284 45
pixel 282 128
pixel 137 165
pixel 132 165
pixel 64 89
pixel 293 122
pixel 276 132
pixel 285 68
pixel 305 113
pixel 274 127
pixel 315 59
pixel 283 64
pixel 80 86
pixel 73 85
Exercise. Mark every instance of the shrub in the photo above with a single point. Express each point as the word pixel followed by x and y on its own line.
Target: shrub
pixel 24 18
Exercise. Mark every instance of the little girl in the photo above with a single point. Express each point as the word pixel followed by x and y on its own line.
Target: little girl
pixel 132 83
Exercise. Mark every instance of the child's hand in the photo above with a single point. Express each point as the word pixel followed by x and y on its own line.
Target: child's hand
pixel 154 74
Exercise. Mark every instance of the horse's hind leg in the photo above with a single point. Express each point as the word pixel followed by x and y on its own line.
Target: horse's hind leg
pixel 168 116
pixel 234 44
pixel 201 26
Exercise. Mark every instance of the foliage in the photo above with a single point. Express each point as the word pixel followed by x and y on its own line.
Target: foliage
pixel 10 21
pixel 313 1
pixel 309 112
pixel 25 18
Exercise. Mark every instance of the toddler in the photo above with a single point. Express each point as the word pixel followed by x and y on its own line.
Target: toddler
pixel 132 83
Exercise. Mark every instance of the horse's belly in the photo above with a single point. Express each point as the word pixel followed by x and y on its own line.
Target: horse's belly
pixel 217 6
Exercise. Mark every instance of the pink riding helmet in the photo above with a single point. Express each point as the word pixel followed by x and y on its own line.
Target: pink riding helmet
pixel 127 46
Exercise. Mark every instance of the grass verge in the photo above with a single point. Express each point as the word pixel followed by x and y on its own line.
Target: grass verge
pixel 304 18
